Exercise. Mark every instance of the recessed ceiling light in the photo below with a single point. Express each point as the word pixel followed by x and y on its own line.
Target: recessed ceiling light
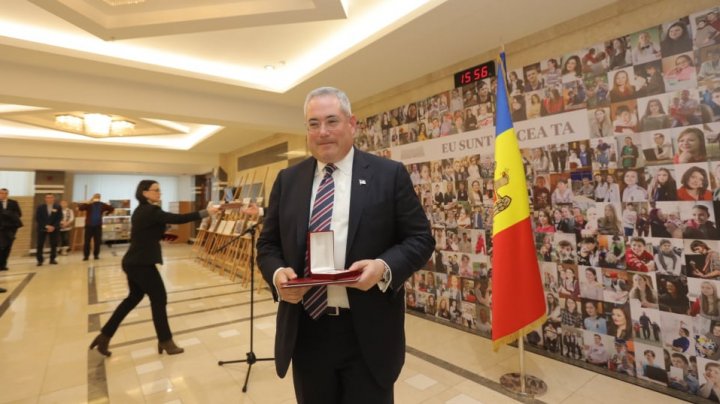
pixel 373 22
pixel 116 3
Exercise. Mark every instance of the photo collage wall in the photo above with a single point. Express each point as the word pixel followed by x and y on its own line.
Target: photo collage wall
pixel 621 143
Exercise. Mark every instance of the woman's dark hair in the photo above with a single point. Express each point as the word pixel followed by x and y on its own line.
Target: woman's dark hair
pixel 578 66
pixel 692 170
pixel 144 185
pixel 679 286
pixel 677 24
pixel 698 243
pixel 670 183
pixel 654 101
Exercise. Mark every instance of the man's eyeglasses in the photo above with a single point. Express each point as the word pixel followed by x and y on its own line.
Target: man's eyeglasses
pixel 315 126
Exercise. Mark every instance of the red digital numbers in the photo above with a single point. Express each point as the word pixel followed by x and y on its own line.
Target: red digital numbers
pixel 467 77
pixel 474 74
pixel 480 72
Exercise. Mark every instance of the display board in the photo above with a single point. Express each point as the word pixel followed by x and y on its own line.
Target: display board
pixel 116 225
pixel 621 147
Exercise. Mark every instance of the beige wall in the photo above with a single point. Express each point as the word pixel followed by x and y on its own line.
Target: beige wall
pixel 264 173
pixel 618 19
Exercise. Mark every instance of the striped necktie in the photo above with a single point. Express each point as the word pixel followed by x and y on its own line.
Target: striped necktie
pixel 315 300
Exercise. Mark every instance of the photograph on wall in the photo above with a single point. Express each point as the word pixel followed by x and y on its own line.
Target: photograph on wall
pixel 620 141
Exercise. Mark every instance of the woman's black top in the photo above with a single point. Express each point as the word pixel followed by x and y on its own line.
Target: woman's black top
pixel 148 227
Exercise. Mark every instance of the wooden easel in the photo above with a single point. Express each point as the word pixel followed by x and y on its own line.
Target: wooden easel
pixel 218 246
pixel 78 231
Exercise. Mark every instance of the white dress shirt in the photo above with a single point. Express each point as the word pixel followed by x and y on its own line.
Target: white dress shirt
pixel 342 177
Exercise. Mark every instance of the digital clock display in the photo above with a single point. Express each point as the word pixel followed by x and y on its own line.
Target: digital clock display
pixel 475 73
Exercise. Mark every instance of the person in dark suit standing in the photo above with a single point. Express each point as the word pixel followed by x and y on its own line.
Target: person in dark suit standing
pixel 48 217
pixel 10 222
pixel 562 156
pixel 140 264
pixel 555 158
pixel 346 343
pixel 95 210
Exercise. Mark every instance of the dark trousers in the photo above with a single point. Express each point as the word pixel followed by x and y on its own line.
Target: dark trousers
pixel 93 233
pixel 7 238
pixel 328 366
pixel 646 332
pixel 53 238
pixel 143 280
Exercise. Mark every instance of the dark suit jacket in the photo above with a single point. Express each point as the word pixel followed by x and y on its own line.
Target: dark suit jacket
pixel 42 218
pixel 148 227
pixel 10 217
pixel 87 207
pixel 386 221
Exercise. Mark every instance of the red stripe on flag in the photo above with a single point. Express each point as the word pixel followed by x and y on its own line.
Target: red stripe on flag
pixel 518 298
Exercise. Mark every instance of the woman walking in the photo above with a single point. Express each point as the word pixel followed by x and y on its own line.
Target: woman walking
pixel 139 265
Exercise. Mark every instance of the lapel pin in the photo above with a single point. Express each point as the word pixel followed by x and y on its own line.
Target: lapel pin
pixel 362 182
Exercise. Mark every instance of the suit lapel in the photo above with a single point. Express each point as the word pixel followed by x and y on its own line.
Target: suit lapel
pixel 359 195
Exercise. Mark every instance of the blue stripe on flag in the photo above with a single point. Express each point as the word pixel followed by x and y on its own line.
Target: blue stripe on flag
pixel 502 115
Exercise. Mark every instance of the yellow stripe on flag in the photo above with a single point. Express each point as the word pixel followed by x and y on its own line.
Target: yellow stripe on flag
pixel 510 182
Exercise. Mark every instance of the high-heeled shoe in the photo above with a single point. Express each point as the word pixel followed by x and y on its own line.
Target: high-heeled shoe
pixel 101 342
pixel 169 347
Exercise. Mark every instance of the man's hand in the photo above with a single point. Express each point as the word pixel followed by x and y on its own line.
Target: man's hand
pixel 372 272
pixel 49 228
pixel 290 295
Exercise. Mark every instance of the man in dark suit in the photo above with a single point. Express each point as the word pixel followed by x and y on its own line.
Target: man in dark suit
pixel 476 218
pixel 48 217
pixel 352 350
pixel 10 222
pixel 562 156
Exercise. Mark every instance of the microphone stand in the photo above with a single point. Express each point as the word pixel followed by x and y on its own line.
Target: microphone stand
pixel 250 357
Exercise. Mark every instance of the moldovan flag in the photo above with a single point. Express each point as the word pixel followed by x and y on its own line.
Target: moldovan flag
pixel 518 302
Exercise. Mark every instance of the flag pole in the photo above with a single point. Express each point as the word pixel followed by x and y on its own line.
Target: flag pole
pixel 521 384
pixel 521 345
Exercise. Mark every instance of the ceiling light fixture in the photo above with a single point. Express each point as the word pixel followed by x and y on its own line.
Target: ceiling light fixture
pixel 72 122
pixel 94 125
pixel 116 3
pixel 97 124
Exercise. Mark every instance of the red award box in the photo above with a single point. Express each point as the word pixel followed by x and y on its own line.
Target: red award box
pixel 321 254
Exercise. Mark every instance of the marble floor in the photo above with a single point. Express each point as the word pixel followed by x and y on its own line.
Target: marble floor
pixel 51 313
